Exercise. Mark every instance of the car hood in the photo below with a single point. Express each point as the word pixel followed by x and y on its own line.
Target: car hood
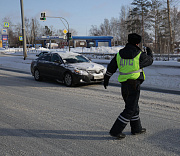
pixel 87 66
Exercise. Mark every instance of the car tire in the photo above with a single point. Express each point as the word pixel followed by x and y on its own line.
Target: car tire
pixel 68 80
pixel 37 75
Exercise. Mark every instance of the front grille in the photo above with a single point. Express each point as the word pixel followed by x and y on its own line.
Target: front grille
pixel 95 72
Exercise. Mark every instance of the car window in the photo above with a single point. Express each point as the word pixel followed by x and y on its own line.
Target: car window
pixel 41 54
pixel 76 59
pixel 81 58
pixel 55 58
pixel 45 57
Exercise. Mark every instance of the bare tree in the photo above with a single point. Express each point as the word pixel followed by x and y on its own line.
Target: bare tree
pixel 28 30
pixel 176 24
pixel 123 28
pixel 170 28
pixel 94 31
pixel 73 32
pixel 114 25
pixel 36 30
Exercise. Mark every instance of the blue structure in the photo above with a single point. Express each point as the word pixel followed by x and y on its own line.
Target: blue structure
pixel 5 41
pixel 91 41
pixel 94 39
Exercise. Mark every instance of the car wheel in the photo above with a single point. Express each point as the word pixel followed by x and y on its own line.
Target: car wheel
pixel 68 80
pixel 37 76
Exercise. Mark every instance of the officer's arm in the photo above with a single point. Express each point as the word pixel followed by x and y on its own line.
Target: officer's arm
pixel 111 69
pixel 146 59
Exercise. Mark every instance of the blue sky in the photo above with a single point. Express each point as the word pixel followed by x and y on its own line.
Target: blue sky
pixel 80 14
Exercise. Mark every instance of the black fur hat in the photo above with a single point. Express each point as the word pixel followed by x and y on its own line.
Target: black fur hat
pixel 134 38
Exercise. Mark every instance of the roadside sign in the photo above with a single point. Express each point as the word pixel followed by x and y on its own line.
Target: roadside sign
pixel 4 31
pixel 64 43
pixel 6 24
pixel 64 31
pixel 20 38
pixel 5 41
pixel 82 43
pixel 65 37
pixel 5 38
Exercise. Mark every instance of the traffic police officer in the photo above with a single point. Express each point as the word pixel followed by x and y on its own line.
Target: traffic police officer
pixel 130 61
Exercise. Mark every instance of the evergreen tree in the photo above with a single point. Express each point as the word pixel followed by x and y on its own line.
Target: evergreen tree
pixel 140 14
pixel 48 31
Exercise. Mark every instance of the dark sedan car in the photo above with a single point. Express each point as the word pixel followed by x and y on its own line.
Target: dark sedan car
pixel 70 68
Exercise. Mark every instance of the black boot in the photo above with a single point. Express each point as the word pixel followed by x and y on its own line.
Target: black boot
pixel 117 128
pixel 143 130
pixel 118 136
pixel 136 127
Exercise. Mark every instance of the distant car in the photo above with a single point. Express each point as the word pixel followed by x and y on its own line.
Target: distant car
pixel 70 68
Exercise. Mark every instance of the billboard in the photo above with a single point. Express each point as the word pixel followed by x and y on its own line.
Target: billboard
pixel 5 41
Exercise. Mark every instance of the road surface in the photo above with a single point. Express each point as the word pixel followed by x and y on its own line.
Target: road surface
pixel 48 119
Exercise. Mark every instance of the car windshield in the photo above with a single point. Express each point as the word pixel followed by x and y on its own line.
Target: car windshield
pixel 76 59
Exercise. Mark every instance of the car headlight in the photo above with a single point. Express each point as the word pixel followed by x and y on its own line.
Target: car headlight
pixel 104 71
pixel 80 72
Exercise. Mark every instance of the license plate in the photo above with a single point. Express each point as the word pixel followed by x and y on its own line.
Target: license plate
pixel 98 76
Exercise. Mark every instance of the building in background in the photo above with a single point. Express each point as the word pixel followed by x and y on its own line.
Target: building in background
pixel 92 41
pixel 77 41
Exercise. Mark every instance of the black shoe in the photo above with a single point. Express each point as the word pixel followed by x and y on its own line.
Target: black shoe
pixel 143 130
pixel 119 136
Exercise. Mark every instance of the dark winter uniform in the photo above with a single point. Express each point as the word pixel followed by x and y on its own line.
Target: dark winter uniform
pixel 130 61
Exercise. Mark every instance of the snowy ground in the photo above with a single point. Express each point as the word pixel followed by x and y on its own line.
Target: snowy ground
pixel 162 74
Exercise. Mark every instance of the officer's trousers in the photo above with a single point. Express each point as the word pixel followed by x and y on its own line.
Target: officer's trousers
pixel 130 91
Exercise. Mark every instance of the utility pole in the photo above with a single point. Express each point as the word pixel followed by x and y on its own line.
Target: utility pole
pixel 23 30
pixel 33 33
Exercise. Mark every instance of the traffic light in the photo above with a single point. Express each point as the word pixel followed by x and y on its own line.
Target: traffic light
pixel 43 16
pixel 68 36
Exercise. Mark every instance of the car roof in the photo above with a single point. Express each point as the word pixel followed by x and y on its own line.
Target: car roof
pixel 65 54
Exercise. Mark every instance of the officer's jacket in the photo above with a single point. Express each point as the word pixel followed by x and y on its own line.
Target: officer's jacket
pixel 129 53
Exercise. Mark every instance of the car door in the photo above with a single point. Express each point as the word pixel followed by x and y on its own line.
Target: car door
pixel 44 64
pixel 57 66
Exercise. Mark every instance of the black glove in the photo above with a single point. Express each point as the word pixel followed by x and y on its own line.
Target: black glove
pixel 149 51
pixel 106 81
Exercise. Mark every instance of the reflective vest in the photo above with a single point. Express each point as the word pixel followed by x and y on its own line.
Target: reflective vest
pixel 128 68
